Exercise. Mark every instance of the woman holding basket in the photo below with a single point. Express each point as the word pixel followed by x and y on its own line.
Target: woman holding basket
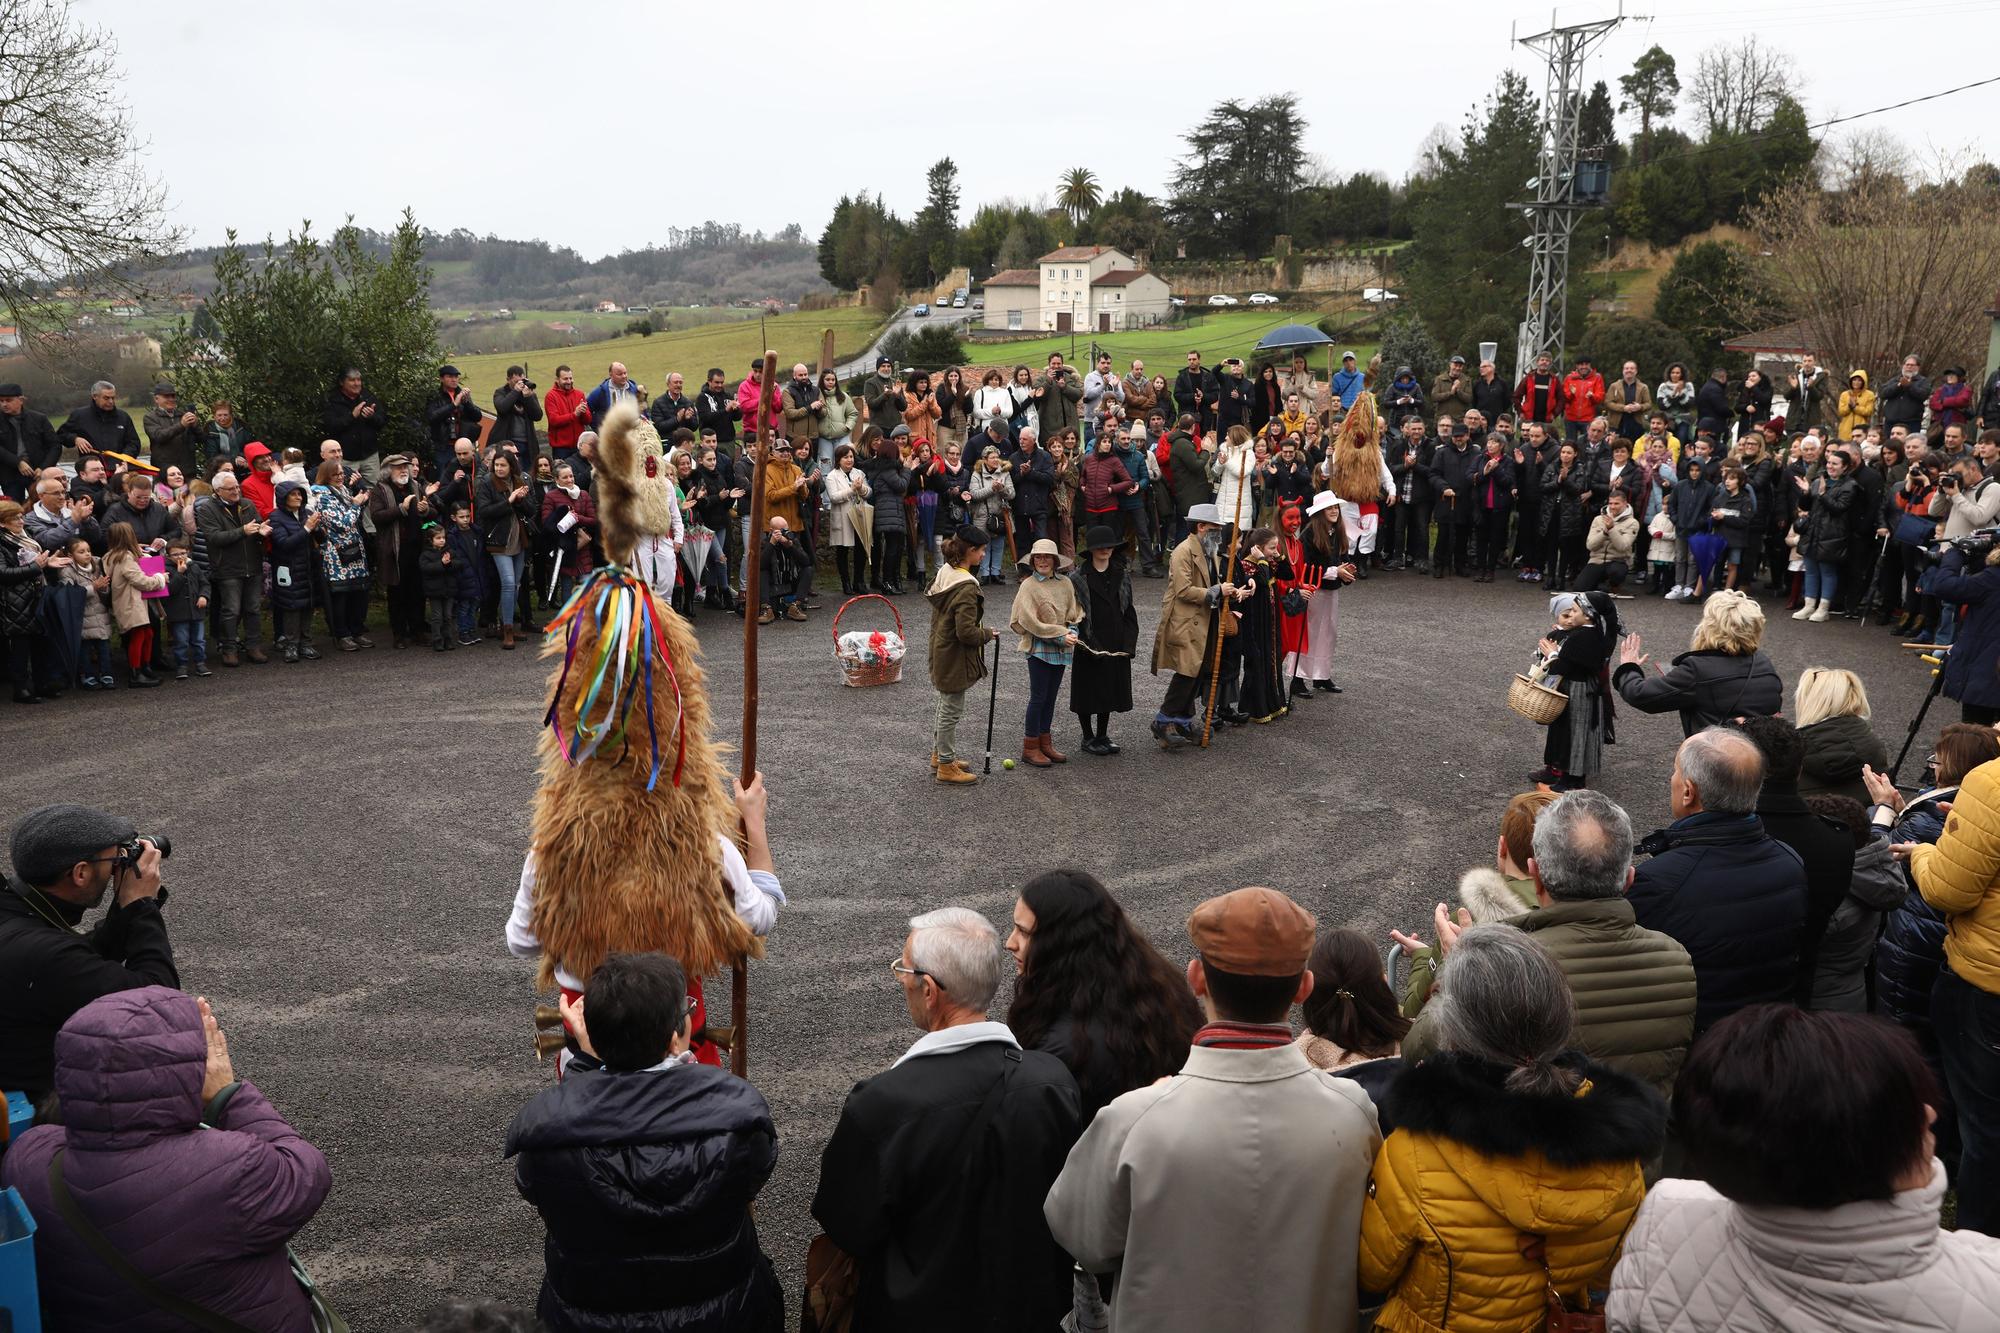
pixel 1573 658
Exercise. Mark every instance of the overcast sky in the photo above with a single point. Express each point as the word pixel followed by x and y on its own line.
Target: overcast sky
pixel 597 125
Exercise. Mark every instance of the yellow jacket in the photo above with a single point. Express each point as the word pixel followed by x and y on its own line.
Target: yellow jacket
pixel 1857 406
pixel 1474 1172
pixel 1960 876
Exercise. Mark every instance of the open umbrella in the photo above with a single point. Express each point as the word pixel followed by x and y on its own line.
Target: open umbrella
pixel 1289 336
pixel 694 552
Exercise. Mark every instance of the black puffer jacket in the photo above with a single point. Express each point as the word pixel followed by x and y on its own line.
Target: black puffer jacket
pixel 1823 534
pixel 21 585
pixel 1836 750
pixel 1705 687
pixel 1912 946
pixel 644 1182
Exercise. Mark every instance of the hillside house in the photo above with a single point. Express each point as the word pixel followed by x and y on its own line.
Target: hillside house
pixel 1091 288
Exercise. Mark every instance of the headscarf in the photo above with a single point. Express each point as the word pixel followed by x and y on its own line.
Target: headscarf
pixel 1563 601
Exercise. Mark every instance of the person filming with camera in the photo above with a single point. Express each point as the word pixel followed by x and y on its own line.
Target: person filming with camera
pixel 67 859
pixel 1968 501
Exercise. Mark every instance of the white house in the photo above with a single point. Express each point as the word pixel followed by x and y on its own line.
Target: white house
pixel 1080 287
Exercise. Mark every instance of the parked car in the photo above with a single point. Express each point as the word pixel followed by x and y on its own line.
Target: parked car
pixel 978 303
pixel 921 311
pixel 1262 298
pixel 1220 299
pixel 1378 295
pixel 958 303
pixel 1176 300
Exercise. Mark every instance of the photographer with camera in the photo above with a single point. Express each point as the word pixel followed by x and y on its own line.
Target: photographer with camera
pixel 67 858
pixel 1967 501
pixel 516 409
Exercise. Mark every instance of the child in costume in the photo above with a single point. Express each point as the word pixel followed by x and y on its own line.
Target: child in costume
pixel 635 845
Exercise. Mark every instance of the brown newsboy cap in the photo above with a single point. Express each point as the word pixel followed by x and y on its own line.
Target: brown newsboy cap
pixel 1253 932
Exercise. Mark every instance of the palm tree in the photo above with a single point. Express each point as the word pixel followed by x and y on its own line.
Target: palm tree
pixel 1079 193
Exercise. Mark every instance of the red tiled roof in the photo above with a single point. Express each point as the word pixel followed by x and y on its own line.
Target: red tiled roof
pixel 1120 277
pixel 1016 277
pixel 1073 252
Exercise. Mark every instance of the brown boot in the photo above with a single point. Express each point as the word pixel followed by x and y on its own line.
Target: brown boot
pixel 507 635
pixel 1031 752
pixel 1049 750
pixel 956 774
pixel 934 762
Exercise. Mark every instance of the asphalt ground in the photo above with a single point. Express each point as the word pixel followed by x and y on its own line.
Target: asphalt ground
pixel 348 835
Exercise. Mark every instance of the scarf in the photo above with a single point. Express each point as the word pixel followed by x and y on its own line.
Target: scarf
pixel 571 491
pixel 1229 1035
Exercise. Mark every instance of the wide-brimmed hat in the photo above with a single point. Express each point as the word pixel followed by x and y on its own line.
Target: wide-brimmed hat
pixel 1322 502
pixel 1045 546
pixel 1101 538
pixel 1205 514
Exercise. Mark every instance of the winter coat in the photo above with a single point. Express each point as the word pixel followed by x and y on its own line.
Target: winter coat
pixel 1706 687
pixel 1034 482
pixel 1690 504
pixel 1402 399
pixel 959 637
pixel 398 531
pixel 1972 669
pixel 515 412
pixel 1473 1167
pixel 1058 403
pixel 1677 401
pixel 1950 404
pixel 1903 402
pixel 559 409
pixel 437 577
pixel 921 416
pixel 577 559
pixel 1245 1162
pixel 1912 945
pixel 1451 394
pixel 25 437
pixel 207 1213
pixel 1857 406
pixel 645 1183
pixel 96 605
pixel 21 584
pixel 343 553
pixel 1959 875
pixel 447 421
pixel 1583 397
pixel 1628 406
pixel 1235 466
pixel 1538 398
pixel 846 489
pixel 1190 479
pixel 992 497
pixel 941 1206
pixel 884 399
pixel 837 414
pixel 1187 615
pixel 468 562
pixel 231 554
pixel 360 437
pixel 499 519
pixel 1103 479
pixel 1565 512
pixel 1456 470
pixel 1753 404
pixel 186 588
pixel 1825 848
pixel 1735 899
pixel 1741 519
pixel 151 524
pixel 1836 748
pixel 888 483
pixel 1840 969
pixel 293 555
pixel 105 430
pixel 1711 406
pixel 1824 535
pixel 171 444
pixel 129 587
pixel 1612 539
pixel 1695 1262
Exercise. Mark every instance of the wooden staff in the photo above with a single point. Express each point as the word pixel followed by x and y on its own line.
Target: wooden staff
pixel 753 594
pixel 1228 576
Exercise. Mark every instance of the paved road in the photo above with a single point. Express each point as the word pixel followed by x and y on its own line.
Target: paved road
pixel 906 318
pixel 348 835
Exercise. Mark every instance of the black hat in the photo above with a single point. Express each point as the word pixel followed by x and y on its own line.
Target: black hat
pixel 1457 360
pixel 1101 538
pixel 447 370
pixel 10 390
pixel 165 390
pixel 48 841
pixel 972 538
pixel 882 361
pixel 997 426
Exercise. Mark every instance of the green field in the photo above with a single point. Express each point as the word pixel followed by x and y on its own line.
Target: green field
pixel 795 337
pixel 1218 335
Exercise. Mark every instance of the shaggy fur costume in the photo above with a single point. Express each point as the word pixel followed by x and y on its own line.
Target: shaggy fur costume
pixel 1356 472
pixel 618 867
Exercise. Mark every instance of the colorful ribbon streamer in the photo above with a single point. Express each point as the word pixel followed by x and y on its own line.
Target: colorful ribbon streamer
pixel 630 637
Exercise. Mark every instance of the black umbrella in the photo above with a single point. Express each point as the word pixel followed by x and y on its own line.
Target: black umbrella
pixel 62 623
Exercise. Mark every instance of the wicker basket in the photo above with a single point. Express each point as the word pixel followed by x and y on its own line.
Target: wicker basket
pixel 857 672
pixel 1535 701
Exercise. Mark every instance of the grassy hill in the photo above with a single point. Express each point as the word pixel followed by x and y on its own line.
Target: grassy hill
pixel 795 337
pixel 1223 333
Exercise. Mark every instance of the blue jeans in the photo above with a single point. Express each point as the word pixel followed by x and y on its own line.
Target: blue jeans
pixel 996 552
pixel 467 612
pixel 96 659
pixel 1044 684
pixel 190 642
pixel 1822 579
pixel 1967 1022
pixel 508 567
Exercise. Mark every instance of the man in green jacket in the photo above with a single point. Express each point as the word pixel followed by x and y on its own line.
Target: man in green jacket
pixel 1634 987
pixel 957 647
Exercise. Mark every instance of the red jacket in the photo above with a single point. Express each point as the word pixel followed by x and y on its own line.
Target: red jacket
pixel 564 425
pixel 747 394
pixel 1538 398
pixel 1583 396
pixel 258 488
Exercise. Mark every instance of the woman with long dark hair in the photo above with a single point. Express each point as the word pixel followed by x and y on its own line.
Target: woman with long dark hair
pixel 1353 1026
pixel 1093 992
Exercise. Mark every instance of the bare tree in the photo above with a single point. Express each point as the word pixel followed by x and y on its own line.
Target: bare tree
pixel 75 207
pixel 1441 140
pixel 1736 88
pixel 1869 158
pixel 1881 273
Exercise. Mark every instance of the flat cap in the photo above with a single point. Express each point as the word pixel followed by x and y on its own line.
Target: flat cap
pixel 10 390
pixel 165 390
pixel 1253 932
pixel 972 538
pixel 48 841
pixel 447 370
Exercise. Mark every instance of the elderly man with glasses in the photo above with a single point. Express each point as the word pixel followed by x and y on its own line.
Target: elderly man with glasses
pixel 934 1178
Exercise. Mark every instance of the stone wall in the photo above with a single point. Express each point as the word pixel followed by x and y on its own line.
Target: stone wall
pixel 1317 273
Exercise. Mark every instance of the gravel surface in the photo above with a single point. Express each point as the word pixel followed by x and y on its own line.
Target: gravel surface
pixel 348 835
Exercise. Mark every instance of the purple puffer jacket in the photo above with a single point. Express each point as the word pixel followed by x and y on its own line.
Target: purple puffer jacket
pixel 206 1212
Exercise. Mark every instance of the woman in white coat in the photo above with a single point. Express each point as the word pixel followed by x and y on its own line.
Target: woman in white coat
pixel 846 488
pixel 1235 465
pixel 1816 1207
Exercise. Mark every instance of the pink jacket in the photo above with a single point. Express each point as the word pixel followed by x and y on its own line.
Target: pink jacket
pixel 747 394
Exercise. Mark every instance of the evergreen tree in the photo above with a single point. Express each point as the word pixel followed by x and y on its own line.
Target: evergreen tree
pixel 1650 90
pixel 1231 192
pixel 937 224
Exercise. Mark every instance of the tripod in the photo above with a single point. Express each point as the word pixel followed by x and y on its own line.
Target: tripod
pixel 1936 662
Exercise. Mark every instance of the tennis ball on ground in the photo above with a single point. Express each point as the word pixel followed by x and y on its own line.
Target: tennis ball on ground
pixel 1007 763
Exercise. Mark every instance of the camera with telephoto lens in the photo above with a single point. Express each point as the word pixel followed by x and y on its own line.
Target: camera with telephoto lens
pixel 130 852
pixel 1976 543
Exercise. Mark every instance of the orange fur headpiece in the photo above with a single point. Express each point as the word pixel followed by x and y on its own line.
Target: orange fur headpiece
pixel 1356 469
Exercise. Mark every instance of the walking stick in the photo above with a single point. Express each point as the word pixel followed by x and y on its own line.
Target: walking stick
pixel 1873 590
pixel 753 570
pixel 992 699
pixel 1228 576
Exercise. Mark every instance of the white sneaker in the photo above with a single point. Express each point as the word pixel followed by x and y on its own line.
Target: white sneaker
pixel 1677 592
pixel 1824 611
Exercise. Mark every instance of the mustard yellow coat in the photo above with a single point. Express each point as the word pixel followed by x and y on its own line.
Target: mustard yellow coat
pixel 1475 1172
pixel 1959 875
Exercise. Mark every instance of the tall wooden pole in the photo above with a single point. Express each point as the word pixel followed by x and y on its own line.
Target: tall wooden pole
pixel 1228 576
pixel 753 595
